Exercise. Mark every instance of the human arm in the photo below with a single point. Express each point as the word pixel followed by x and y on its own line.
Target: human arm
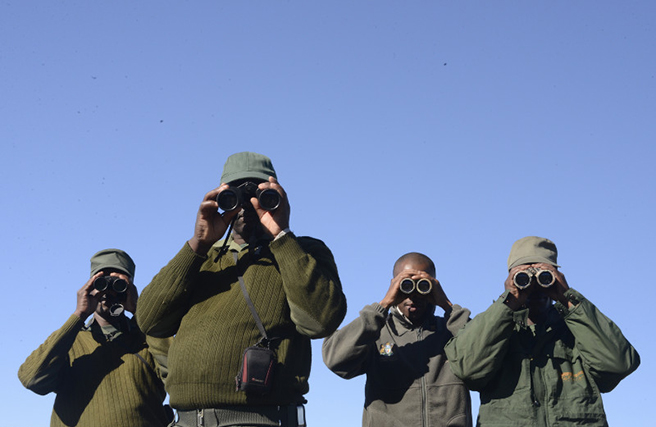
pixel 44 369
pixel 605 351
pixel 311 283
pixel 164 301
pixel 347 351
pixel 476 352
pixel 159 348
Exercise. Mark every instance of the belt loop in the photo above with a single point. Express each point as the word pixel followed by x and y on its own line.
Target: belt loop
pixel 200 418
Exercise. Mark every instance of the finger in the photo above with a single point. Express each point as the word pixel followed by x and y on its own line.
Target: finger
pixel 209 207
pixel 275 185
pixel 211 195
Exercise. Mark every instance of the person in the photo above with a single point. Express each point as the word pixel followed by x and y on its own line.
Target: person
pixel 536 362
pixel 399 345
pixel 103 373
pixel 294 288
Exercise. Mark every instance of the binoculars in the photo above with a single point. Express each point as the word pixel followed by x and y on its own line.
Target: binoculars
pixel 102 283
pixel 234 197
pixel 522 279
pixel 423 286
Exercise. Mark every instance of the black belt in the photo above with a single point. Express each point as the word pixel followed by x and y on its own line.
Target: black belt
pixel 285 416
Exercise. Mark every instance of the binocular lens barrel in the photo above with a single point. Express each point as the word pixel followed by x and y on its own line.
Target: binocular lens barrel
pixel 545 278
pixel 407 286
pixel 423 286
pixel 522 279
pixel 269 199
pixel 228 200
pixel 234 197
pixel 102 283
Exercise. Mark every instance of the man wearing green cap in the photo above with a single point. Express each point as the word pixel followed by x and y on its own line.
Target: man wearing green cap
pixel 535 362
pixel 103 373
pixel 291 281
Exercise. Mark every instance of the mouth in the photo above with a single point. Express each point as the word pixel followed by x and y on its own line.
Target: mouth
pixel 411 306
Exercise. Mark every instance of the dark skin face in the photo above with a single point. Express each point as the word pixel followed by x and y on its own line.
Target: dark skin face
pixel 90 301
pixel 415 306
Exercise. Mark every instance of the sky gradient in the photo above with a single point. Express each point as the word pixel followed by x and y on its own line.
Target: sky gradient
pixel 448 128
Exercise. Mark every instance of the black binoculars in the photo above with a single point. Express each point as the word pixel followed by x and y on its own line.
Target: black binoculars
pixel 423 286
pixel 102 283
pixel 522 279
pixel 234 197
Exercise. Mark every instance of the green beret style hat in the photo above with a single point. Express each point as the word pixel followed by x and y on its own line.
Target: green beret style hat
pixel 531 250
pixel 247 165
pixel 112 258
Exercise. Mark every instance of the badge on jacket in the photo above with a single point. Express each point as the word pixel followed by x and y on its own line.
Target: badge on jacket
pixel 386 349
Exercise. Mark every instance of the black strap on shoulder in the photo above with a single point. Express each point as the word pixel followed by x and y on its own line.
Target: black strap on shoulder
pixel 260 326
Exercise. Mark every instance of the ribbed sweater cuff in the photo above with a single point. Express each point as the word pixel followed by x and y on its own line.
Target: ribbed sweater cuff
pixel 73 323
pixel 286 245
pixel 186 262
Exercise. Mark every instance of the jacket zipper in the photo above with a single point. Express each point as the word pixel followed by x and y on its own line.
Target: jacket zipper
pixel 424 404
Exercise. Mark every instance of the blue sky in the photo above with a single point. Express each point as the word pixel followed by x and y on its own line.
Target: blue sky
pixel 449 128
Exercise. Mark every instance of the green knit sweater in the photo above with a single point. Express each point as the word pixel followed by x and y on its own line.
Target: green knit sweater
pixel 294 285
pixel 97 382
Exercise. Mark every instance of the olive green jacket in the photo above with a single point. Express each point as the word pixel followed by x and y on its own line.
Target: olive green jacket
pixel 409 383
pixel 550 374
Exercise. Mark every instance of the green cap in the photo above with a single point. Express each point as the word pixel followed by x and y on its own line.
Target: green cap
pixel 112 258
pixel 247 165
pixel 532 250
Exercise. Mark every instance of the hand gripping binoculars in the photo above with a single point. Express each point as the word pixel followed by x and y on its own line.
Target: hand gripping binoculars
pixel 118 285
pixel 522 279
pixel 423 286
pixel 234 197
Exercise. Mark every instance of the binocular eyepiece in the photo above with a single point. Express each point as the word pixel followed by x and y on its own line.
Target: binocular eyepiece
pixel 102 283
pixel 234 197
pixel 522 279
pixel 423 286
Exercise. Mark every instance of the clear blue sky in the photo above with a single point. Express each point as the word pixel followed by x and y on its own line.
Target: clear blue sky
pixel 449 128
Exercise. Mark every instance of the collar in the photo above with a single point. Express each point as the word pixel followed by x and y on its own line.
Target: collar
pixel 399 318
pixel 520 318
pixel 109 332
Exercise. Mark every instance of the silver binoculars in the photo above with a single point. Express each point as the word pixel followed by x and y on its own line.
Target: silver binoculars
pixel 523 279
pixel 423 286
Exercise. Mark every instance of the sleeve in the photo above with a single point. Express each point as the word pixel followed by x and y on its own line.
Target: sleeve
pixel 164 302
pixel 314 291
pixel 159 348
pixel 347 351
pixel 605 351
pixel 476 351
pixel 457 318
pixel 46 366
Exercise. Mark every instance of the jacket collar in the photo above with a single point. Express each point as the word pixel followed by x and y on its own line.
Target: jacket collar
pixel 403 325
